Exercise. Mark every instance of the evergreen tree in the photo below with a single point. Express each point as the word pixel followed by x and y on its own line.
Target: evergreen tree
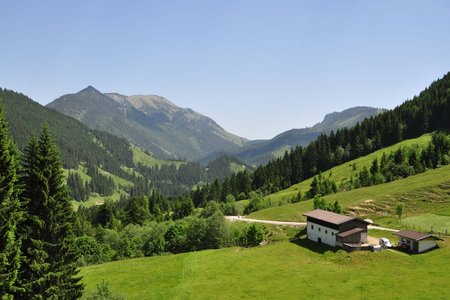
pixel 137 210
pixel 10 213
pixel 49 268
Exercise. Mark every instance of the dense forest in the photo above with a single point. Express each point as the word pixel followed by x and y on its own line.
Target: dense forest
pixel 37 221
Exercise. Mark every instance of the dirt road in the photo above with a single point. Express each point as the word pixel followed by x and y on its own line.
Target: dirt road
pixel 243 219
pixel 292 224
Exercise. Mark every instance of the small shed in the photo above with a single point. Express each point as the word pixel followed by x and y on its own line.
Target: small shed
pixel 416 242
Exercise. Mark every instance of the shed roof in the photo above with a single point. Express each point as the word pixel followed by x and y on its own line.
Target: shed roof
pixel 350 232
pixel 415 235
pixel 328 216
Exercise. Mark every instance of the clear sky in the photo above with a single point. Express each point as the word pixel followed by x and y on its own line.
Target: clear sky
pixel 256 67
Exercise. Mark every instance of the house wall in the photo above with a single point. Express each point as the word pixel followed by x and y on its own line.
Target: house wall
pixel 364 237
pixel 353 239
pixel 352 224
pixel 426 244
pixel 326 234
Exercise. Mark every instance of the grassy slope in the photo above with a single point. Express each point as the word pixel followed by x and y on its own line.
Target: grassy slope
pixel 415 191
pixel 140 157
pixel 345 171
pixel 280 271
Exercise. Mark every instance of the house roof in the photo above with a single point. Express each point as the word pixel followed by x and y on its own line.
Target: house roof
pixel 350 232
pixel 328 216
pixel 415 235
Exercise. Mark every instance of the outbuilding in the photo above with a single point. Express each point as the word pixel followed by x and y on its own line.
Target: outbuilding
pixel 416 242
pixel 335 229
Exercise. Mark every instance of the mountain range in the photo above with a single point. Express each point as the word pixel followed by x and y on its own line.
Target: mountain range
pixel 168 131
pixel 150 122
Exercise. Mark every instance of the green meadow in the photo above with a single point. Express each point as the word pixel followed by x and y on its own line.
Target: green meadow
pixel 141 157
pixel 299 269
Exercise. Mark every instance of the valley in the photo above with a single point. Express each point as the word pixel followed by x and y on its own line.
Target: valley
pixel 162 220
pixel 224 150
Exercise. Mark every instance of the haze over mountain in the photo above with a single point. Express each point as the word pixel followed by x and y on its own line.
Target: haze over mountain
pixel 260 152
pixel 151 122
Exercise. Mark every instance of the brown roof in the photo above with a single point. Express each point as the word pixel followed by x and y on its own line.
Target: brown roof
pixel 328 216
pixel 414 235
pixel 350 232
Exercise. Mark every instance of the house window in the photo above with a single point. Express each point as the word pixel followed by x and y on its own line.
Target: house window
pixel 326 231
pixel 319 228
pixel 332 233
pixel 312 226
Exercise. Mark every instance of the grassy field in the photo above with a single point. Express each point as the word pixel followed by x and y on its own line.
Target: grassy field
pixel 140 157
pixel 429 222
pixel 285 270
pixel 423 193
pixel 345 171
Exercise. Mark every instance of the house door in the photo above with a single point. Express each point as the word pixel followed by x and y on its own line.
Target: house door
pixel 415 246
pixel 319 240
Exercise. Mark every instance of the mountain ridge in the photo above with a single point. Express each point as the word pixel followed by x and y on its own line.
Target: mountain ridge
pixel 151 122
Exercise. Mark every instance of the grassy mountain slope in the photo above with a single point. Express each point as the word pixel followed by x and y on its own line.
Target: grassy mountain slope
pixel 351 168
pixel 286 270
pixel 151 122
pixel 405 190
pixel 261 152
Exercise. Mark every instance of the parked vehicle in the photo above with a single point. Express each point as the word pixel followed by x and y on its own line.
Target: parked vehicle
pixel 385 243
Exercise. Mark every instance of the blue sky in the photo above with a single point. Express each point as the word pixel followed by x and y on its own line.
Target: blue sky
pixel 256 67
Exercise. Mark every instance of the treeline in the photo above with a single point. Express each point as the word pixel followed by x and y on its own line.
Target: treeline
pixel 98 183
pixel 402 163
pixel 171 180
pixel 115 231
pixel 37 234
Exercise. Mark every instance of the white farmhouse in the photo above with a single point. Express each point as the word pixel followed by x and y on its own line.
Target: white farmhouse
pixel 336 230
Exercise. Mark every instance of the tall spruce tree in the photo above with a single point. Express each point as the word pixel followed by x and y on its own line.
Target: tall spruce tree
pixel 10 213
pixel 49 268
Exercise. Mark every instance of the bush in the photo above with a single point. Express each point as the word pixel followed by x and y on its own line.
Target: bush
pixel 103 293
pixel 253 236
pixel 91 252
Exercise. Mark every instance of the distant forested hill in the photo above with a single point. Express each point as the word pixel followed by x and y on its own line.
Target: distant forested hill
pixel 76 141
pixel 262 151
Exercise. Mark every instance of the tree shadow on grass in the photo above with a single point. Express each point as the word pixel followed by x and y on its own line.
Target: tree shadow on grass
pixel 312 246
